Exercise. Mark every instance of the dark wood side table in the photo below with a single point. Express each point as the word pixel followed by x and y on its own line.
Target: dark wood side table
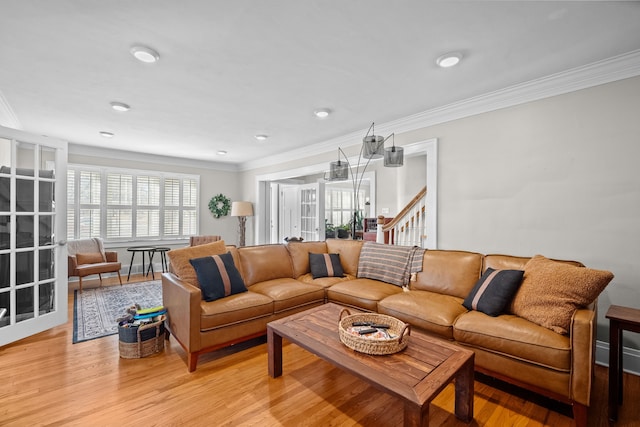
pixel 620 318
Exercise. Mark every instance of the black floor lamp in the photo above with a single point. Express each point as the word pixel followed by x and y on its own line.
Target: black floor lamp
pixel 372 148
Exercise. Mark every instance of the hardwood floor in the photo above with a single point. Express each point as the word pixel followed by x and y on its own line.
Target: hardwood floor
pixel 46 380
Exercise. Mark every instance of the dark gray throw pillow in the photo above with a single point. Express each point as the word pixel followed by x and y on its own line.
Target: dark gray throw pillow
pixel 494 291
pixel 218 276
pixel 325 265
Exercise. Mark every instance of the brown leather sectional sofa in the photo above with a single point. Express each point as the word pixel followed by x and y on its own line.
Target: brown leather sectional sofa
pixel 279 284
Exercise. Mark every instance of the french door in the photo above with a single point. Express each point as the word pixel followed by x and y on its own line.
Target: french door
pixel 312 212
pixel 33 266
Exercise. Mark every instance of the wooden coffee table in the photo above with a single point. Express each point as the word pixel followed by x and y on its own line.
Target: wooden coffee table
pixel 415 375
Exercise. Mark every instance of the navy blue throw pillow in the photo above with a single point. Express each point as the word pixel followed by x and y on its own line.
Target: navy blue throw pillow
pixel 218 276
pixel 325 265
pixel 494 291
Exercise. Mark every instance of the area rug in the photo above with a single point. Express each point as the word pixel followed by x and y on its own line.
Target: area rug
pixel 95 310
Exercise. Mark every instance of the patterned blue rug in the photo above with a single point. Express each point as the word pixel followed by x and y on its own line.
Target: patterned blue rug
pixel 95 310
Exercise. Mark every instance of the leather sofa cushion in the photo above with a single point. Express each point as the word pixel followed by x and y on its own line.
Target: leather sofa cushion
pixel 264 262
pixel 515 337
pixel 448 272
pixel 508 262
pixel 504 262
pixel 432 312
pixel 299 252
pixel 234 309
pixel 289 293
pixel 349 251
pixel 325 282
pixel 362 293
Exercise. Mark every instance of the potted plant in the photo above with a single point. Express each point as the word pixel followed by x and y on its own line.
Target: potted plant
pixel 344 231
pixel 329 230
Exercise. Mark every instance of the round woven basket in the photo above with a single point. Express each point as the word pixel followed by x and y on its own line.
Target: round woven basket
pixel 378 346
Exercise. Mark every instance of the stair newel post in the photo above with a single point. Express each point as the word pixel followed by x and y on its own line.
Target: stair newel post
pixel 379 232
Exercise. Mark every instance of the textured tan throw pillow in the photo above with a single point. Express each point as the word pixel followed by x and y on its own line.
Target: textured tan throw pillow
pixel 551 291
pixel 180 259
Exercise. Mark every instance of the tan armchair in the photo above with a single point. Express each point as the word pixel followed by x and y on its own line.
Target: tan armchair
pixel 88 257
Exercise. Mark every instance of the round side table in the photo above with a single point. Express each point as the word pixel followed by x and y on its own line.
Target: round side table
pixel 142 249
pixel 163 257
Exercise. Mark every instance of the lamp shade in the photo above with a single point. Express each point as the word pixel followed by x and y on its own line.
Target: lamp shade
pixel 373 146
pixel 241 209
pixel 393 157
pixel 338 171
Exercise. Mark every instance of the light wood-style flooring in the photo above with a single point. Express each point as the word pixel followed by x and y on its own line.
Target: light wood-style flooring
pixel 47 380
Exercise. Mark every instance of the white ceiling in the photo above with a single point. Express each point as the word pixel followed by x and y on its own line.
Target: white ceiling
pixel 232 69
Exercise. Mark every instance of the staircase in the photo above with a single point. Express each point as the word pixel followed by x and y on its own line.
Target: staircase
pixel 409 227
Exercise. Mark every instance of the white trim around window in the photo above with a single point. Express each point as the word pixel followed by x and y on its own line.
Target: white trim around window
pixel 125 205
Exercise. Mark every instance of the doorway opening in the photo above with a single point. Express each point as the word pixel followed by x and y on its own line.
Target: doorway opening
pixel 283 210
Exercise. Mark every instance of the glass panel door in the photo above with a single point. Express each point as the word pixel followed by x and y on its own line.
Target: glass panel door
pixel 311 205
pixel 33 268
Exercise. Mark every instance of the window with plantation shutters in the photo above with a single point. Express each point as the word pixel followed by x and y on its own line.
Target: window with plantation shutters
pixel 148 206
pixel 90 186
pixel 172 204
pixel 71 200
pixel 119 205
pixel 189 206
pixel 125 205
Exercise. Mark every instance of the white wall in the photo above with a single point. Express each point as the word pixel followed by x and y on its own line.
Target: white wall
pixel 557 177
pixel 395 187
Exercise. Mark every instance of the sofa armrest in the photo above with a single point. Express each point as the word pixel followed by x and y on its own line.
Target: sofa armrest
pixel 72 266
pixel 182 301
pixel 583 346
pixel 111 256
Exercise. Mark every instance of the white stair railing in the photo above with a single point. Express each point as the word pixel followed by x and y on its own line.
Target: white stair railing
pixel 409 227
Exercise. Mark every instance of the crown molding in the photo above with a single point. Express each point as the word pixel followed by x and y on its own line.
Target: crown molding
pixel 8 117
pixel 93 151
pixel 606 71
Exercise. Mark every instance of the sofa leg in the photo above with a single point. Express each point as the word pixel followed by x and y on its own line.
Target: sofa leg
pixel 192 359
pixel 119 278
pixel 80 283
pixel 580 414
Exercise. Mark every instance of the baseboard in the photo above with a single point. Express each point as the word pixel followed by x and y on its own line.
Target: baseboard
pixel 630 357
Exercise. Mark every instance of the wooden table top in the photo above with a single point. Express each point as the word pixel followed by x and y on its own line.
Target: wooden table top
pixel 626 314
pixel 416 374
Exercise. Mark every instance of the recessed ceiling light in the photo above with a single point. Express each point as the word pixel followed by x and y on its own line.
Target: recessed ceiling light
pixel 261 137
pixel 145 54
pixel 449 59
pixel 322 113
pixel 120 106
pixel 221 152
pixel 106 134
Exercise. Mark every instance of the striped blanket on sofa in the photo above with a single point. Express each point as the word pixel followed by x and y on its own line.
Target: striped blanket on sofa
pixel 389 263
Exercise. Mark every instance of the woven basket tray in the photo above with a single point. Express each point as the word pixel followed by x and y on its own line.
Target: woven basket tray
pixel 149 339
pixel 375 346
